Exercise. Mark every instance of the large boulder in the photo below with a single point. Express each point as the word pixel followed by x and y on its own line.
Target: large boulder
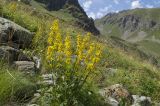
pixel 116 94
pixel 14 35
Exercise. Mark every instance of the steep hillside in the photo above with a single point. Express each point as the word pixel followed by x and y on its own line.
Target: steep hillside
pixel 140 27
pixel 72 7
pixel 38 78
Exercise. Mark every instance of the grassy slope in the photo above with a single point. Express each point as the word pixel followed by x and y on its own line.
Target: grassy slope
pixel 139 77
pixel 14 86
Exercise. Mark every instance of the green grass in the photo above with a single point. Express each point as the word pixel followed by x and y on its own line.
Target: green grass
pixel 14 86
pixel 137 76
pixel 151 47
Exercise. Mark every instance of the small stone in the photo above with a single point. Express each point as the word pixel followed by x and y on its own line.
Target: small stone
pixel 37 62
pixel 32 105
pixel 141 100
pixel 25 66
pixel 37 95
pixel 47 76
pixel 113 102
pixel 48 82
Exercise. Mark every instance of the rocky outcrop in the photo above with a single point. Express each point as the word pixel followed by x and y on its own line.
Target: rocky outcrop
pixel 14 35
pixel 11 54
pixel 130 21
pixel 73 7
pixel 13 38
pixel 8 53
pixel 116 94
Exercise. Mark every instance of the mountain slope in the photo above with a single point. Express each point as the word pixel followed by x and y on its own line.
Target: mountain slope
pixel 139 26
pixel 72 7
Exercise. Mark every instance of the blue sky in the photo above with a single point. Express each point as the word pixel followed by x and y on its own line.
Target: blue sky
pixel 99 8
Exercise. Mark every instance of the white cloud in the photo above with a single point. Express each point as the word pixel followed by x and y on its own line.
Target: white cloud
pixel 87 4
pixel 149 6
pixel 116 1
pixel 99 15
pixel 101 12
pixel 136 4
pixel 92 14
pixel 105 9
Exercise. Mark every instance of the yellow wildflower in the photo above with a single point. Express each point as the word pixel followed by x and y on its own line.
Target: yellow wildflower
pixel 87 39
pixel 55 25
pixel 59 42
pixel 13 6
pixel 68 49
pixel 79 49
pixel 90 66
pixel 54 32
pixel 49 53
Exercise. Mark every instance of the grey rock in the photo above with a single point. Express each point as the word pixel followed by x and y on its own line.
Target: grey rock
pixel 25 66
pixel 14 35
pixel 23 57
pixel 117 92
pixel 37 95
pixel 141 100
pixel 32 105
pixel 37 62
pixel 112 101
pixel 8 53
pixel 48 82
pixel 47 77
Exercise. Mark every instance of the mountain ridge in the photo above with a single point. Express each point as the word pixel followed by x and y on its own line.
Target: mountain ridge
pixel 72 7
pixel 139 27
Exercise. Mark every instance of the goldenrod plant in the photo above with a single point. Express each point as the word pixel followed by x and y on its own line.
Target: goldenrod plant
pixel 72 61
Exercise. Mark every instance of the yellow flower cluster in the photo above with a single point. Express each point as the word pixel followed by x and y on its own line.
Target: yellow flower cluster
pixel 68 50
pixel 49 53
pixel 93 55
pixel 54 30
pixel 13 6
pixel 79 49
pixel 54 41
pixel 57 49
pixel 87 53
